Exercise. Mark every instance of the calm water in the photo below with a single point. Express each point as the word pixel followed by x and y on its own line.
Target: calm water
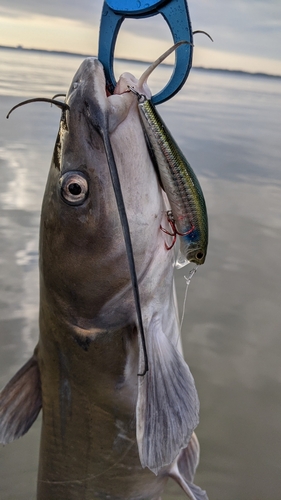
pixel 229 127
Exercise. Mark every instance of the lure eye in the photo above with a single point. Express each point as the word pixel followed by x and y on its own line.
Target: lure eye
pixel 74 188
pixel 199 255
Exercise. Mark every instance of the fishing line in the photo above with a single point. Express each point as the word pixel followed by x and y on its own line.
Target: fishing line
pixel 187 280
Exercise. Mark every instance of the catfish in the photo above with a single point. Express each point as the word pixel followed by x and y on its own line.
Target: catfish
pixel 107 431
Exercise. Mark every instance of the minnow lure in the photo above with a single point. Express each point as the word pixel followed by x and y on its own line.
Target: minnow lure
pixel 188 216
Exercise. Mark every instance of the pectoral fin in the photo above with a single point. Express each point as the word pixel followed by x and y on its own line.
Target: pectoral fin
pixel 20 402
pixel 184 467
pixel 168 406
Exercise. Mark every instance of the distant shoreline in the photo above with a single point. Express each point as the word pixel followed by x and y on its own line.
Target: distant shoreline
pixel 75 54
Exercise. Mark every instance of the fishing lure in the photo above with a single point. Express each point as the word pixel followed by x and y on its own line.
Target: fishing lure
pixel 188 216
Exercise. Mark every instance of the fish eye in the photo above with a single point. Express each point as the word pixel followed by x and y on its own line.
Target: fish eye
pixel 74 188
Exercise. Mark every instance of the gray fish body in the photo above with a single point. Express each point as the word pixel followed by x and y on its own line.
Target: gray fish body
pixel 106 433
pixel 88 337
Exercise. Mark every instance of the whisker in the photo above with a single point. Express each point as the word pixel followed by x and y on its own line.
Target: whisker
pixel 58 95
pixel 204 33
pixel 60 104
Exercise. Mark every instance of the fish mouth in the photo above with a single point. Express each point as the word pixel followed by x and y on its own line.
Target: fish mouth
pixel 89 89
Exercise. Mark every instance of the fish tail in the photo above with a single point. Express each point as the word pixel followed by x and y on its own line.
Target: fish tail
pixel 184 467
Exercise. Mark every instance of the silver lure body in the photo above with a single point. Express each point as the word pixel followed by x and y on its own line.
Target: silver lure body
pixel 180 184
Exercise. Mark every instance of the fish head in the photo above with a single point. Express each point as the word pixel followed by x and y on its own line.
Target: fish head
pixel 82 251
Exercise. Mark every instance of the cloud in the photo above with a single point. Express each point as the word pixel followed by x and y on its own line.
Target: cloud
pixel 84 10
pixel 245 27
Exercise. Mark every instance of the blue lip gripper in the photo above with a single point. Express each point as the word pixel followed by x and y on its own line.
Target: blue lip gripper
pixel 175 13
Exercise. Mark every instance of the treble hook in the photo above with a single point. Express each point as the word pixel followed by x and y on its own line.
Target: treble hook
pixel 172 223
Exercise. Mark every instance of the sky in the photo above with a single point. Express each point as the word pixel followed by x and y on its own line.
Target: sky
pixel 246 33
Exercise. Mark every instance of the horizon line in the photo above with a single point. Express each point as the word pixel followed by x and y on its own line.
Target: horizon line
pixel 76 54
